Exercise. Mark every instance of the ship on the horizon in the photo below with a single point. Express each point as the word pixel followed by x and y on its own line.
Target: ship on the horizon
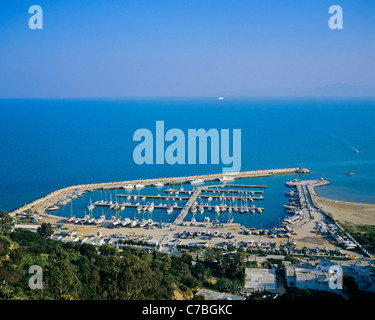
pixel 351 173
pixel 356 151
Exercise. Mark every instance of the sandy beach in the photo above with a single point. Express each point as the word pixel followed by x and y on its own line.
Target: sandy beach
pixel 348 212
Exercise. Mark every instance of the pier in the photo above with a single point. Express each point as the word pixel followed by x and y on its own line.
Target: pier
pixel 185 210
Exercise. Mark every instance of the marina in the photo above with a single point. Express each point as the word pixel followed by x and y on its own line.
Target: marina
pixel 303 218
pixel 175 212
pixel 67 194
pixel 209 205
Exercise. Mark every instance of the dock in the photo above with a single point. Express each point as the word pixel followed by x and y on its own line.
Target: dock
pixel 185 210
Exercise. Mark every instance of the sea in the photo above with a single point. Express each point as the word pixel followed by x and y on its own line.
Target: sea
pixel 48 144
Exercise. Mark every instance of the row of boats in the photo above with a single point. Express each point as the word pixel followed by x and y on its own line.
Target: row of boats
pixel 87 219
pixel 64 201
pixel 223 208
pixel 140 186
pixel 293 207
pixel 114 222
pixel 160 184
pixel 222 179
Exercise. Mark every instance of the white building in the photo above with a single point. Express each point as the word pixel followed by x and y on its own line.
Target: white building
pixel 363 274
pixel 322 275
pixel 258 280
pixel 96 241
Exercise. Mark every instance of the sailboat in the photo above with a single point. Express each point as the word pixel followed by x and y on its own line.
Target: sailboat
pixel 91 206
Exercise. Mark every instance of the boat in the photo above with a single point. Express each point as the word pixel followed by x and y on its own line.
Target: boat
pixel 133 223
pixel 142 223
pixel 201 209
pixel 139 186
pixel 193 210
pixel 100 220
pixel 290 193
pixel 197 181
pixel 85 218
pixel 151 207
pixel 207 219
pixel 70 220
pixel 91 220
pixel 226 178
pixel 209 209
pixel 356 151
pixel 139 208
pixel 288 207
pixel 125 222
pixel 91 206
pixel 170 210
pixel 116 222
pixel 158 184
pixel 350 173
pixel 53 208
pixel 220 98
pixel 217 209
pixel 128 186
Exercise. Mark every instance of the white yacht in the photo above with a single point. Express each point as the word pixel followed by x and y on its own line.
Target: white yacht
pixel 100 220
pixel 133 223
pixel 158 184
pixel 91 206
pixel 151 207
pixel 226 179
pixel 197 181
pixel 128 186
pixel 125 222
pixel 142 223
pixel 53 208
pixel 91 220
pixel 139 186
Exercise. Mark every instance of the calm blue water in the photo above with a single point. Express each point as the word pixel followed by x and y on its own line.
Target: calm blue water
pixel 50 144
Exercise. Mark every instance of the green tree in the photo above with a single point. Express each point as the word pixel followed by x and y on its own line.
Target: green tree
pixel 6 292
pixel 234 286
pixel 61 275
pixel 45 230
pixel 6 222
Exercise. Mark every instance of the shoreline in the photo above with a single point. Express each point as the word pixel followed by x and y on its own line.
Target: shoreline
pixel 358 213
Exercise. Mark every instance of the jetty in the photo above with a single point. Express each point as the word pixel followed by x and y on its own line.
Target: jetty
pixel 185 210
pixel 41 204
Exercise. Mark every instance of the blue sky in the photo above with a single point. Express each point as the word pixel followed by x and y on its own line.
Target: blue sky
pixel 149 48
